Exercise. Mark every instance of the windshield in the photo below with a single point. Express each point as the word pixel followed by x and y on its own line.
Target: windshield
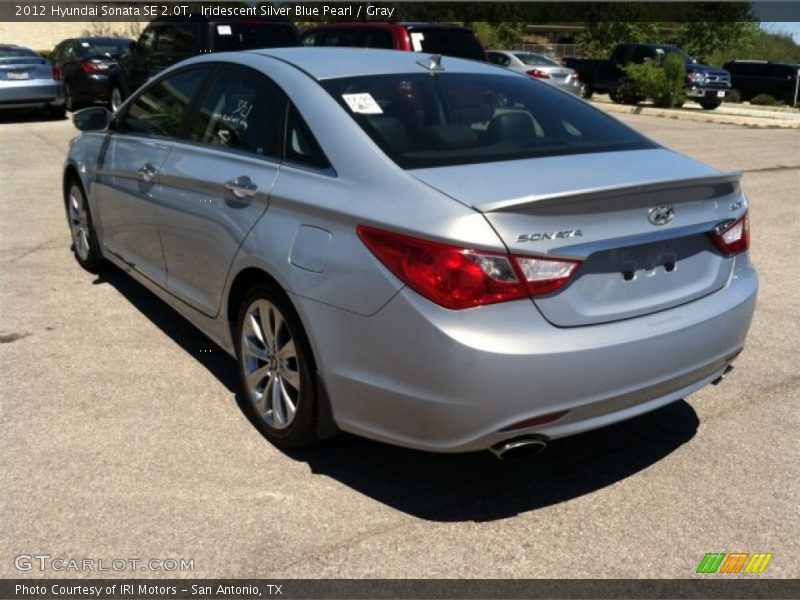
pixel 536 60
pixel 422 120
pixel 112 47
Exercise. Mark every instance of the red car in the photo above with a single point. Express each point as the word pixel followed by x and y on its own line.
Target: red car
pixel 431 38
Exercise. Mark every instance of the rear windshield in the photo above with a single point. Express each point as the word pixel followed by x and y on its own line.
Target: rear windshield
pixel 112 48
pixel 536 60
pixel 449 42
pixel 248 36
pixel 422 120
pixel 6 52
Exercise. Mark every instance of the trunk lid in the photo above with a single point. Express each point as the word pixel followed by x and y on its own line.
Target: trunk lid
pixel 24 68
pixel 596 207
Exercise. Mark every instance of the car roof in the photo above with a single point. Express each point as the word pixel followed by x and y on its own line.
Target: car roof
pixel 330 63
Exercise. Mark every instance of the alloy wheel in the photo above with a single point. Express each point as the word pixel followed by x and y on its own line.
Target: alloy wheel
pixel 270 363
pixel 79 222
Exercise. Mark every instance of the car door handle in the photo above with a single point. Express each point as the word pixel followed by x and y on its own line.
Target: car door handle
pixel 147 172
pixel 242 187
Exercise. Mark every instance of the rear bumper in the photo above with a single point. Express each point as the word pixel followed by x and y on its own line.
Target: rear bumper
pixel 424 377
pixel 33 92
pixel 92 88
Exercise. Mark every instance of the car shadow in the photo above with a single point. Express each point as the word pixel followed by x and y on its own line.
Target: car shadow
pixel 479 487
pixel 182 332
pixel 450 487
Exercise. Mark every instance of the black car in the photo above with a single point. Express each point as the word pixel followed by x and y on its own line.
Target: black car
pixel 754 77
pixel 90 70
pixel 166 41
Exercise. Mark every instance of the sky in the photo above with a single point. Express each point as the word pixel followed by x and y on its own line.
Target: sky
pixel 792 27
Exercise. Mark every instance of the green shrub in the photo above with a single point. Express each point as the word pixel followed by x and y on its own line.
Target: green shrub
pixel 661 83
pixel 44 53
pixel 673 92
pixel 764 100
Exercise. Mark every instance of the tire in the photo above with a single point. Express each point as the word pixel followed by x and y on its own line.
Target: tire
pixel 276 368
pixel 710 104
pixel 615 97
pixel 70 102
pixel 587 91
pixel 85 246
pixel 115 98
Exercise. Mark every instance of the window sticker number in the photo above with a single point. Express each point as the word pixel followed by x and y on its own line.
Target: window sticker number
pixel 243 108
pixel 362 104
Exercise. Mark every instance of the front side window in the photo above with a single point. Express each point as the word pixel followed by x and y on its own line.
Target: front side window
pixel 420 120
pixel 159 110
pixel 243 111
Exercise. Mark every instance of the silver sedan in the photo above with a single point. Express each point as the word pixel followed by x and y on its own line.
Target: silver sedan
pixel 538 66
pixel 426 251
pixel 29 81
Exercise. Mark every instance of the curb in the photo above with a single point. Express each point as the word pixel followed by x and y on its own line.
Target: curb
pixel 776 122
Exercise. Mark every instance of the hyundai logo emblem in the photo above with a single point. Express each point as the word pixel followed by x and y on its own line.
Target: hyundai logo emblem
pixel 661 214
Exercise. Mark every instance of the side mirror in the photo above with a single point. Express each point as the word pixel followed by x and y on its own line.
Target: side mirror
pixel 96 118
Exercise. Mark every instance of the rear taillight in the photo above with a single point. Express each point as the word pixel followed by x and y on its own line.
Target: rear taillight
pixel 93 66
pixel 56 73
pixel 457 277
pixel 538 74
pixel 733 238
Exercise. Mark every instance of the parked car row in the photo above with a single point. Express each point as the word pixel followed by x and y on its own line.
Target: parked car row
pixel 88 70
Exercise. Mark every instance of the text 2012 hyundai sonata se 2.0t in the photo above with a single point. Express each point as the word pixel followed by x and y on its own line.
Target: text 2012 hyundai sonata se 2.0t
pixel 428 251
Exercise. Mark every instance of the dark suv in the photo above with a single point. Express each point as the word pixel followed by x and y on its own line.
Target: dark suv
pixel 754 77
pixel 169 40
pixel 433 38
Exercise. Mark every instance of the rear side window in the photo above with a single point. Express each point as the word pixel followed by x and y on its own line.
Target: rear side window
pixel 248 36
pixel 159 110
pixel 449 42
pixel 301 146
pixel 422 121
pixel 243 111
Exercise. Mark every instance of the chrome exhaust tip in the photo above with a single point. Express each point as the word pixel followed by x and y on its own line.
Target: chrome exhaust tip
pixel 522 446
pixel 719 379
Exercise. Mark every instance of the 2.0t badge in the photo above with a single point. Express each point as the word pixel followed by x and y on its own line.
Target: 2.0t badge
pixel 661 214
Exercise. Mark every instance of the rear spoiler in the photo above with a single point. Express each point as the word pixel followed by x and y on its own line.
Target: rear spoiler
pixel 722 184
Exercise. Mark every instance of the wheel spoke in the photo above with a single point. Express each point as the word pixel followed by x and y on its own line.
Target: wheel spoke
pixel 291 377
pixel 251 346
pixel 289 407
pixel 253 324
pixel 275 402
pixel 257 376
pixel 288 350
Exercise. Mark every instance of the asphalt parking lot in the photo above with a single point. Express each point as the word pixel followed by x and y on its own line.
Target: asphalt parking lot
pixel 121 435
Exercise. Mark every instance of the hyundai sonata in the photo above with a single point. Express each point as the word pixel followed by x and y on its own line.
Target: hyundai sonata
pixel 432 252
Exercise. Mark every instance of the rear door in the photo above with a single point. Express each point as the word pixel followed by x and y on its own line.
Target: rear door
pixel 215 185
pixel 129 167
